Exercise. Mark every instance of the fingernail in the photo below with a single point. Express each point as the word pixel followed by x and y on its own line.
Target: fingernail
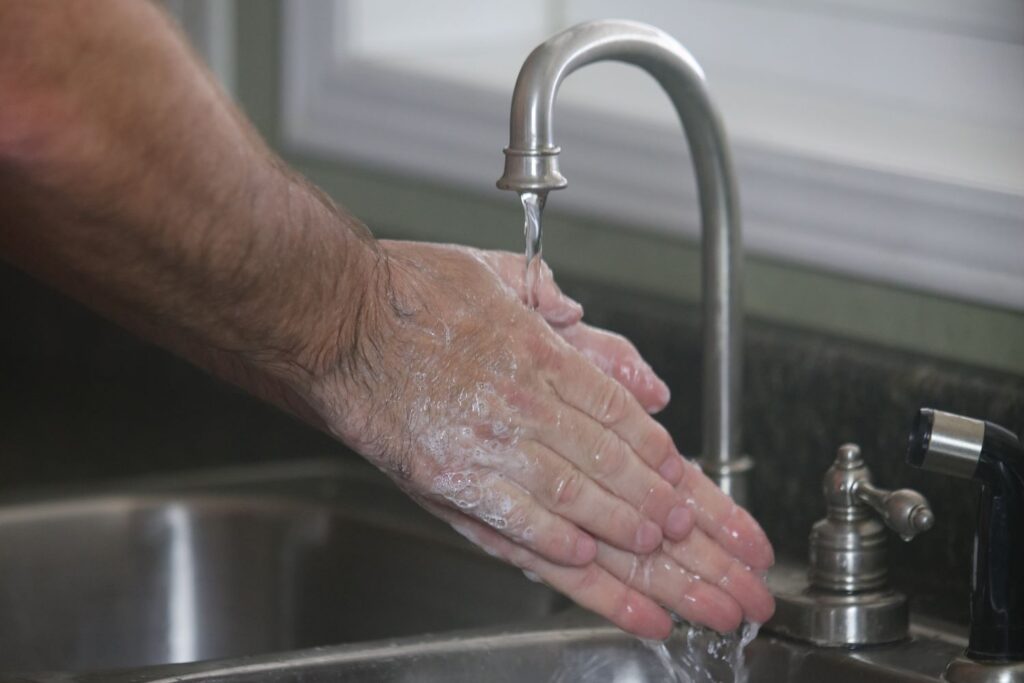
pixel 586 549
pixel 664 393
pixel 672 469
pixel 768 556
pixel 648 536
pixel 679 522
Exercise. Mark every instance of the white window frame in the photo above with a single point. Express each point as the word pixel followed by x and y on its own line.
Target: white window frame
pixel 934 235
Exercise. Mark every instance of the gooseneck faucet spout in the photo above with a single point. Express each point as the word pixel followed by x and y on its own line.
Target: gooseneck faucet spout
pixel 531 165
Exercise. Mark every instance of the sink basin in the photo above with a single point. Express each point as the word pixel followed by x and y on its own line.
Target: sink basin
pixel 225 566
pixel 323 572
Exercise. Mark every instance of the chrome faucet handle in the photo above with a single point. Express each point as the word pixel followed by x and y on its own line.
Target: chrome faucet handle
pixel 847 547
pixel 905 511
pixel 845 600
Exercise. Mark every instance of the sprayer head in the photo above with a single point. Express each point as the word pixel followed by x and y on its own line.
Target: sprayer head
pixel 946 443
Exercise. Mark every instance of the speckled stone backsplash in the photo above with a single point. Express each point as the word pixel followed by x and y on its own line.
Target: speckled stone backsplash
pixel 805 394
pixel 82 400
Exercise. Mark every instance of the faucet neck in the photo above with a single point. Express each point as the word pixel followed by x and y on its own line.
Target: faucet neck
pixel 531 165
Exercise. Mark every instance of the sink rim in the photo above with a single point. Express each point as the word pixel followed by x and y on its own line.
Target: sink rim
pixel 574 626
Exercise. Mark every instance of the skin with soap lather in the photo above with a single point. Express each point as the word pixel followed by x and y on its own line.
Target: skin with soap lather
pixel 128 181
pixel 469 399
pixel 709 576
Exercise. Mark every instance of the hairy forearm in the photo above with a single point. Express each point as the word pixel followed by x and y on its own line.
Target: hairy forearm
pixel 128 180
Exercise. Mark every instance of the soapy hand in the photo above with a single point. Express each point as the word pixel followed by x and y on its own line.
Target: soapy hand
pixel 714 576
pixel 611 353
pixel 474 405
pixel 527 431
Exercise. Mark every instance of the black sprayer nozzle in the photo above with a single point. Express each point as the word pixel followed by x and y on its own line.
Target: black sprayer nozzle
pixel 994 456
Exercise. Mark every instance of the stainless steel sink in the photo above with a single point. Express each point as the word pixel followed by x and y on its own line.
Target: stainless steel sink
pixel 227 577
pixel 236 564
pixel 569 647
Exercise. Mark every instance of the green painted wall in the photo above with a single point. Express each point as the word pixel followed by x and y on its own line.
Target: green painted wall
pixel 415 208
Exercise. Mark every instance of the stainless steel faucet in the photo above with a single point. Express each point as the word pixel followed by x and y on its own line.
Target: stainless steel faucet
pixel 531 165
pixel 844 600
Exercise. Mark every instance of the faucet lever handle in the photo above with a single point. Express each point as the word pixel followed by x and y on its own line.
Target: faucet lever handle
pixel 905 511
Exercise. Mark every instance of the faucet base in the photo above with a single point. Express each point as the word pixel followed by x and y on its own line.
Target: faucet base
pixel 833 619
pixel 964 670
pixel 733 477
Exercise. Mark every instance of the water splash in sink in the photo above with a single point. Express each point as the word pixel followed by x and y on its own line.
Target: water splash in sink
pixel 690 655
pixel 704 656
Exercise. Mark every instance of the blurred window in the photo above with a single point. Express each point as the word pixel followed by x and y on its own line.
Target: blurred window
pixel 879 139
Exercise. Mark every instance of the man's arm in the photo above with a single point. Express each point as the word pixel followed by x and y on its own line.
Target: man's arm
pixel 129 181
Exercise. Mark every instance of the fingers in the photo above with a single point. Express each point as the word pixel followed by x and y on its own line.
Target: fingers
pixel 723 520
pixel 700 555
pixel 609 437
pixel 552 304
pixel 599 454
pixel 591 586
pixel 579 384
pixel 612 353
pixel 568 492
pixel 660 577
pixel 512 511
pixel 616 357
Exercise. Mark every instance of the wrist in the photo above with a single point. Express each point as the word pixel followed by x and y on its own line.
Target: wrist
pixel 332 325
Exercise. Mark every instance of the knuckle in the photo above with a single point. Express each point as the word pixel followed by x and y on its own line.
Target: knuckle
pixel 518 521
pixel 567 488
pixel 612 403
pixel 609 456
pixel 657 499
pixel 588 579
pixel 657 443
pixel 625 520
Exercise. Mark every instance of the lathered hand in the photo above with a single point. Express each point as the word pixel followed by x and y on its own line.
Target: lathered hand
pixel 712 577
pixel 506 416
pixel 473 404
pixel 613 354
